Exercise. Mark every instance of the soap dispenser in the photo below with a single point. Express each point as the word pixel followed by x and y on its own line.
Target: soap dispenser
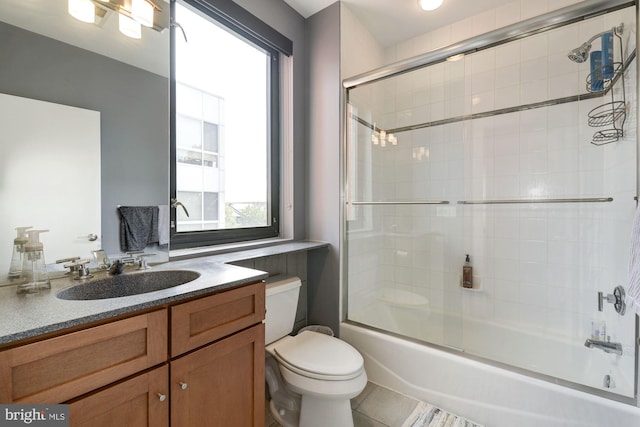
pixel 15 268
pixel 34 268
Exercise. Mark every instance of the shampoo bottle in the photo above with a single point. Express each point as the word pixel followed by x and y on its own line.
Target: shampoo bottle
pixel 467 273
pixel 17 259
pixel 597 84
pixel 607 56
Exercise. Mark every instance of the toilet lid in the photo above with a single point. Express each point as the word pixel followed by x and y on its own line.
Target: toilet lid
pixel 320 354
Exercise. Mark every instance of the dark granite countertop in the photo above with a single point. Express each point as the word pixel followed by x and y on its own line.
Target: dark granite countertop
pixel 28 316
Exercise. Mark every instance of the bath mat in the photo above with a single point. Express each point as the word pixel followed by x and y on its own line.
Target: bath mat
pixel 427 415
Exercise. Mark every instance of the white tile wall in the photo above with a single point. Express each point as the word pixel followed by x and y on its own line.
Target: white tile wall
pixel 538 266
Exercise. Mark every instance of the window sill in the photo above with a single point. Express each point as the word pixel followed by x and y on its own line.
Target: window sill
pixel 247 250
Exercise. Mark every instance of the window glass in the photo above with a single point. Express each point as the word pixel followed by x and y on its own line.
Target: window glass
pixel 225 144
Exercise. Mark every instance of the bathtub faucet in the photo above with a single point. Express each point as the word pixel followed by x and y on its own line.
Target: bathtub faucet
pixel 606 346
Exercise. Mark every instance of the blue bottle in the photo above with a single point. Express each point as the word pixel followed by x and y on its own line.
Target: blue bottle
pixel 597 83
pixel 607 56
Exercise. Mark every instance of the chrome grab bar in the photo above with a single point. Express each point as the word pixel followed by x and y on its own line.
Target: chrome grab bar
pixel 417 202
pixel 525 201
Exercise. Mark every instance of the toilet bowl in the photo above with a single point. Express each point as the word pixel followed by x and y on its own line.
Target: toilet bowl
pixel 311 376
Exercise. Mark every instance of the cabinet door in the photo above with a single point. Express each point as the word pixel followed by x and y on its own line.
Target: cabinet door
pixel 61 368
pixel 221 385
pixel 197 323
pixel 141 401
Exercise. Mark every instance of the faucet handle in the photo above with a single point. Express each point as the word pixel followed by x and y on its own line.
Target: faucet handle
pixel 72 258
pixel 142 261
pixel 79 265
pixel 617 299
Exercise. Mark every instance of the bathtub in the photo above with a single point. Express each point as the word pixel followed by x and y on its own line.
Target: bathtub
pixel 488 394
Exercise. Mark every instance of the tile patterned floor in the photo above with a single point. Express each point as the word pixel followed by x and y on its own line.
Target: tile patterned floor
pixel 376 406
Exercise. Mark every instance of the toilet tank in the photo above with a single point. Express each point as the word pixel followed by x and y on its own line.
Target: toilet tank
pixel 282 292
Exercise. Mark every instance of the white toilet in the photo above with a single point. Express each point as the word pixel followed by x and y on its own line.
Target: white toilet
pixel 311 376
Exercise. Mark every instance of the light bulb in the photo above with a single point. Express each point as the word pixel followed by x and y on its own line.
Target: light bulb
pixel 82 10
pixel 129 27
pixel 430 4
pixel 142 11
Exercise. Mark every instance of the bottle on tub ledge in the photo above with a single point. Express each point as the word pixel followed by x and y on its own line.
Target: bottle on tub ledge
pixel 467 273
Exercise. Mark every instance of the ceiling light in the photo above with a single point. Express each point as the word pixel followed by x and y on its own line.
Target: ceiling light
pixel 82 10
pixel 430 4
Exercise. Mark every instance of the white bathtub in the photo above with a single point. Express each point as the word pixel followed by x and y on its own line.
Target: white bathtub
pixel 489 395
pixel 554 356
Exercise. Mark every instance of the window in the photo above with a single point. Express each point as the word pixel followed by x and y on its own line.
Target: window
pixel 225 119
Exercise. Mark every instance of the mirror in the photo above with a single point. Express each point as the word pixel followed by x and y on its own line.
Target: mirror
pixel 50 56
pixel 32 188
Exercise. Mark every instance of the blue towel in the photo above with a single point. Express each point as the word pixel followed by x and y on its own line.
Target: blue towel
pixel 138 227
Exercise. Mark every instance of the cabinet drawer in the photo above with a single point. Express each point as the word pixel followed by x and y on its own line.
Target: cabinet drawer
pixel 61 368
pixel 196 323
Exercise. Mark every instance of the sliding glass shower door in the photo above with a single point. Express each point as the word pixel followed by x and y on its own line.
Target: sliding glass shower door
pixel 501 156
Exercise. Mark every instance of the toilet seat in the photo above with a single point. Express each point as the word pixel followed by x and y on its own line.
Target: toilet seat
pixel 319 356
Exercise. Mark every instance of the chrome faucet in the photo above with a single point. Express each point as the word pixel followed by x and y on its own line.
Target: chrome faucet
pixel 606 346
pixel 118 265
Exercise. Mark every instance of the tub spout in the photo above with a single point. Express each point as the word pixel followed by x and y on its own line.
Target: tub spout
pixel 606 346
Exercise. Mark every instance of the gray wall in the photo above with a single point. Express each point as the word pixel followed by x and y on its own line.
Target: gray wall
pixel 288 22
pixel 134 107
pixel 323 164
pixel 294 264
pixel 317 139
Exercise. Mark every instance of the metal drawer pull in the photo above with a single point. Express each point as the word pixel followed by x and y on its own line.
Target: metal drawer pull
pixel 183 386
pixel 162 397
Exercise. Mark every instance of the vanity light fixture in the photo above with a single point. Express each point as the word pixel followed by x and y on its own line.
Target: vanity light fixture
pixel 129 26
pixel 142 12
pixel 82 10
pixel 430 4
pixel 132 14
pixel 381 137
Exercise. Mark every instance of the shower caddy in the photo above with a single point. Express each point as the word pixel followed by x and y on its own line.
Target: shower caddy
pixel 611 114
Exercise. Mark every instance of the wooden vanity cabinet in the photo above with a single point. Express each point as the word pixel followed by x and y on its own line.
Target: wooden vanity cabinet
pixel 221 383
pixel 192 364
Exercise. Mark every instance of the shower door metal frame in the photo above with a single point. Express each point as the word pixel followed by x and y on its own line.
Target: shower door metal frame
pixel 554 19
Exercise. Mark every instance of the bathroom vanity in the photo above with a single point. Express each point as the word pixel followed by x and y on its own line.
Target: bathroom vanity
pixel 187 356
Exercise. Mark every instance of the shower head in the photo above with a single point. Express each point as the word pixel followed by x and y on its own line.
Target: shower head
pixel 581 53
